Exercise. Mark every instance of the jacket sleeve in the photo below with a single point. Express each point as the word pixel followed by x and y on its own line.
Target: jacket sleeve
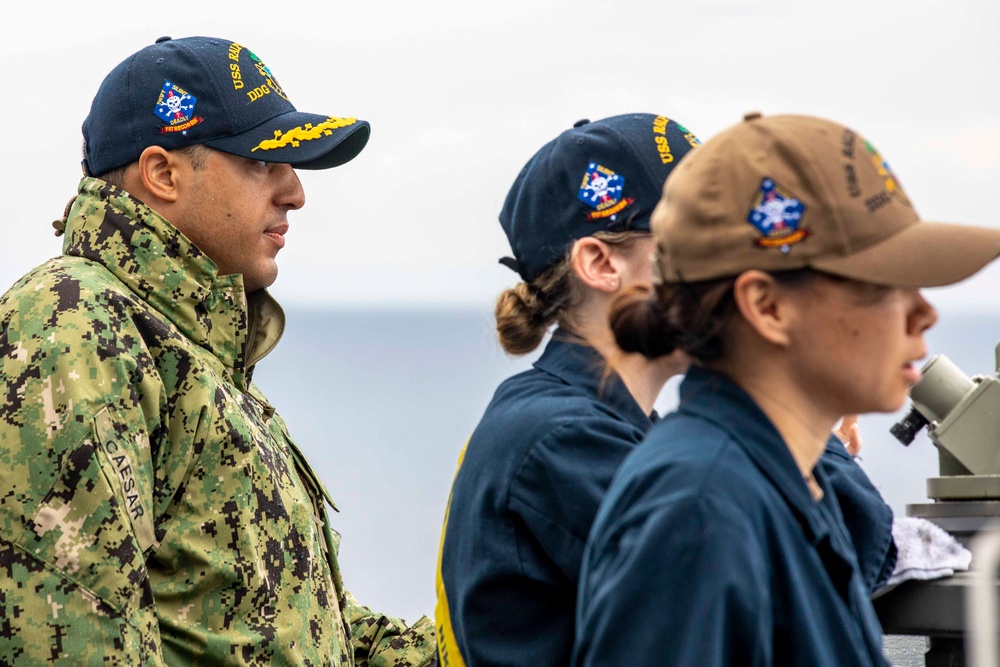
pixel 679 586
pixel 76 502
pixel 561 482
pixel 866 515
pixel 382 641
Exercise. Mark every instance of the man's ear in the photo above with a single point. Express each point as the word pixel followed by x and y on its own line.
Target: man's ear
pixel 595 264
pixel 159 172
pixel 764 305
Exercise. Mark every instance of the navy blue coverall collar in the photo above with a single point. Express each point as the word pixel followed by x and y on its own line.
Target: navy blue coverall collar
pixel 572 360
pixel 739 415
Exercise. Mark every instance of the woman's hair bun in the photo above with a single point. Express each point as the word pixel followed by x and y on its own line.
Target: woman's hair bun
pixel 640 324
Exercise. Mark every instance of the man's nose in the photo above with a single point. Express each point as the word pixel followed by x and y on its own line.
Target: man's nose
pixel 290 194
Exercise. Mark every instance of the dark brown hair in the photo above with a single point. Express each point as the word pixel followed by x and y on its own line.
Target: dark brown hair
pixel 525 312
pixel 655 321
pixel 197 154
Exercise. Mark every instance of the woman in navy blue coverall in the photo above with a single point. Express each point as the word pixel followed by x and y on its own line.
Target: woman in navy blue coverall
pixel 541 458
pixel 789 261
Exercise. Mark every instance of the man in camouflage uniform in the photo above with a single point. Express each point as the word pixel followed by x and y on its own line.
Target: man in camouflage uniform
pixel 153 508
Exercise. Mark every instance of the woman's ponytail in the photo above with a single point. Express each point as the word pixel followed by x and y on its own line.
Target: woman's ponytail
pixel 640 324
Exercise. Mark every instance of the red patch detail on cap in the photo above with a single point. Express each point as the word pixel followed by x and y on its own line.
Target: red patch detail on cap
pixel 170 129
pixel 778 242
pixel 608 212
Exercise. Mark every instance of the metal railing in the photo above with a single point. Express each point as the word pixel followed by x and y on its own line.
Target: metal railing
pixel 982 637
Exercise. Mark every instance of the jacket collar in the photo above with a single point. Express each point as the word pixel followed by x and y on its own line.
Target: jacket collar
pixel 156 261
pixel 731 409
pixel 572 360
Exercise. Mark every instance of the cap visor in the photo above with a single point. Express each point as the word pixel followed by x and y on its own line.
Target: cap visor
pixel 303 140
pixel 926 254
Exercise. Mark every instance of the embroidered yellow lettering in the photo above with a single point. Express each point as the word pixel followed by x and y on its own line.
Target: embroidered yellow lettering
pixel 663 146
pixel 182 127
pixel 234 51
pixel 237 77
pixel 613 210
pixel 660 124
pixel 307 132
pixel 258 92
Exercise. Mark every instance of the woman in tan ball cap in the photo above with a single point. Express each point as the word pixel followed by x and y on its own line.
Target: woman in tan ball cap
pixel 790 261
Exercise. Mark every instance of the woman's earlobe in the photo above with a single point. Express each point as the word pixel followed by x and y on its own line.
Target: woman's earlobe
pixel 592 263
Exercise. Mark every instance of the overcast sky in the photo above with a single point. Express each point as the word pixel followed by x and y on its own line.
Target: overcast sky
pixel 460 94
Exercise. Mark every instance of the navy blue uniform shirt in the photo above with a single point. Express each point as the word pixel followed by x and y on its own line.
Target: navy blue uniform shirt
pixel 867 517
pixel 522 504
pixel 709 550
pixel 525 496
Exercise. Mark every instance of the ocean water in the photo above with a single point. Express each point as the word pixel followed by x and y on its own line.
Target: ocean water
pixel 382 401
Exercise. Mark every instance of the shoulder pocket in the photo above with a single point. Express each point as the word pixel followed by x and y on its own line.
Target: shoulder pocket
pixel 90 527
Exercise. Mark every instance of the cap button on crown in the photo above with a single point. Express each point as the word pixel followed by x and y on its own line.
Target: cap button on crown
pixel 752 115
pixel 581 122
pixel 165 38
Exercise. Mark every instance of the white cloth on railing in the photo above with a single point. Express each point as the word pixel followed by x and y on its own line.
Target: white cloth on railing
pixel 924 551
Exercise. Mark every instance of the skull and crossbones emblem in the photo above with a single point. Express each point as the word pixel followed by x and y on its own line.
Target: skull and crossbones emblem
pixel 175 103
pixel 600 186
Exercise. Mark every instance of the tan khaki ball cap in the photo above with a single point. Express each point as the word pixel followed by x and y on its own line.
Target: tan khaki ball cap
pixel 787 192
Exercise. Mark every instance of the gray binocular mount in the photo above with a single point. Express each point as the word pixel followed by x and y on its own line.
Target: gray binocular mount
pixel 962 417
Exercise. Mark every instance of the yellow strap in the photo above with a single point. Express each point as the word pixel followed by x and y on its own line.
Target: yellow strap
pixel 448 653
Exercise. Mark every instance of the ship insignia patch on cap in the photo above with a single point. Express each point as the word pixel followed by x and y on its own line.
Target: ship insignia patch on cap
pixel 883 169
pixel 777 214
pixel 269 79
pixel 175 106
pixel 601 190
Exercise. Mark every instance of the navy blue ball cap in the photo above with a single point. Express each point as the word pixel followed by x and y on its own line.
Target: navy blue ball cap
pixel 602 175
pixel 204 90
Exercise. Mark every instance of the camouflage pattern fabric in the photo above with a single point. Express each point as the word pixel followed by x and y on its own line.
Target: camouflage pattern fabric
pixel 153 508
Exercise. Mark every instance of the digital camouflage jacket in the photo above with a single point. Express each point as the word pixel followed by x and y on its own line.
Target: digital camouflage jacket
pixel 153 508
